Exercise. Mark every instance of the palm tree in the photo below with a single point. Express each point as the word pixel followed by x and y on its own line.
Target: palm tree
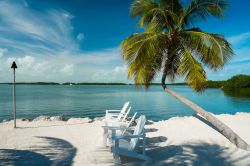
pixel 172 44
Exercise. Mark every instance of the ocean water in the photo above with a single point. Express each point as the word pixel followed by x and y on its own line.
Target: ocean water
pixel 92 101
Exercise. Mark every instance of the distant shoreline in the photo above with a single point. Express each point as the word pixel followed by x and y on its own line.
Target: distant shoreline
pixel 82 83
pixel 234 83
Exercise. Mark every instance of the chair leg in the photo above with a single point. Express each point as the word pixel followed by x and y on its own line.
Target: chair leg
pixel 116 153
pixel 143 146
pixel 117 160
pixel 105 135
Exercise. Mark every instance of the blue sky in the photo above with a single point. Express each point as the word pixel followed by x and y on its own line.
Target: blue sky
pixel 78 41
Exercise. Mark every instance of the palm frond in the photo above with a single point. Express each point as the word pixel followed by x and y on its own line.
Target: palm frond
pixel 173 5
pixel 141 7
pixel 143 54
pixel 211 49
pixel 153 20
pixel 192 70
pixel 200 10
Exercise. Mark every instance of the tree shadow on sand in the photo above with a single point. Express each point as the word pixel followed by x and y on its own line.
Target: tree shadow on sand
pixel 195 154
pixel 50 151
pixel 188 154
pixel 22 157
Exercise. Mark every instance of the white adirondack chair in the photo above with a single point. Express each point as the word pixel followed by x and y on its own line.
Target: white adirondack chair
pixel 125 145
pixel 116 114
pixel 124 124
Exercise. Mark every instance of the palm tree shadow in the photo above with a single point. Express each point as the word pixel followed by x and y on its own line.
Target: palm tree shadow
pixel 50 151
pixel 22 157
pixel 189 154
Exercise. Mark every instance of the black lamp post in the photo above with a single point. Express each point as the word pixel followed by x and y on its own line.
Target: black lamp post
pixel 14 66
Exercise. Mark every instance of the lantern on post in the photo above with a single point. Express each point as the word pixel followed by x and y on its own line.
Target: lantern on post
pixel 14 66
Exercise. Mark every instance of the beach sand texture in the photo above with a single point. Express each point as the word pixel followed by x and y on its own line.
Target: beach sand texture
pixel 176 141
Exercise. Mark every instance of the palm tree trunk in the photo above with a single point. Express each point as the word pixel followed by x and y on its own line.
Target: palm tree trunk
pixel 223 128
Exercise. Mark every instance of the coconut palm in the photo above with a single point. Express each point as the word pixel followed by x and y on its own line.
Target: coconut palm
pixel 173 45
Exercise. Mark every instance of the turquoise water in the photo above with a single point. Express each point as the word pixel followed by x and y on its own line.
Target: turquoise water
pixel 91 101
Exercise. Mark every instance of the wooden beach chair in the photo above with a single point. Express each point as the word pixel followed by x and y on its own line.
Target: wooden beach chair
pixel 124 124
pixel 125 145
pixel 116 114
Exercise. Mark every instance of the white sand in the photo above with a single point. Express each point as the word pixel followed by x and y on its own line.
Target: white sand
pixel 177 141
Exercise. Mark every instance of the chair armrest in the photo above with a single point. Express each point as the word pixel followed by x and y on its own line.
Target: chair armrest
pixel 128 136
pixel 113 110
pixel 119 128
pixel 114 128
pixel 115 121
pixel 112 114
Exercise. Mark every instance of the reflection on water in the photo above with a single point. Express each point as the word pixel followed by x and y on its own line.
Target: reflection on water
pixel 92 101
pixel 243 93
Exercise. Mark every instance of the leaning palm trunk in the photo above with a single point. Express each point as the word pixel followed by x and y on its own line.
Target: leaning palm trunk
pixel 223 128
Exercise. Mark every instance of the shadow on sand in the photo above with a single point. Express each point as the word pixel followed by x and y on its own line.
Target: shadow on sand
pixel 195 154
pixel 187 154
pixel 51 151
pixel 22 157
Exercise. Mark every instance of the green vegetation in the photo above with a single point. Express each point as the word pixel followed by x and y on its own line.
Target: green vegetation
pixel 215 84
pixel 237 82
pixel 94 83
pixel 33 83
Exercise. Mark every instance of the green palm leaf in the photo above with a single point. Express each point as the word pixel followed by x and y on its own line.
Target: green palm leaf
pixel 143 54
pixel 192 70
pixel 140 7
pixel 200 9
pixel 211 49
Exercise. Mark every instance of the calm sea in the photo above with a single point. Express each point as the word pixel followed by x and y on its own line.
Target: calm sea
pixel 92 101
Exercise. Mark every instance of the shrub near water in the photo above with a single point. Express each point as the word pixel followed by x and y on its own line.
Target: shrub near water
pixel 215 84
pixel 237 82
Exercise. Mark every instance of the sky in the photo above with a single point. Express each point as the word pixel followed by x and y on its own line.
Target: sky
pixel 78 40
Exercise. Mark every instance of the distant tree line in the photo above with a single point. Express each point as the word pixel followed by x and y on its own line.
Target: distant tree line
pixel 94 83
pixel 33 83
pixel 234 83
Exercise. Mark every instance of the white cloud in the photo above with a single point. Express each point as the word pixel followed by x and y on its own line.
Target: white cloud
pixel 68 69
pixel 85 67
pixel 51 28
pixel 25 3
pixel 239 39
pixel 3 51
pixel 116 74
pixel 241 54
pixel 120 69
pixel 45 49
pixel 80 36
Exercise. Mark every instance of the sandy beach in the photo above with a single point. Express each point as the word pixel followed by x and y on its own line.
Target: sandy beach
pixel 176 141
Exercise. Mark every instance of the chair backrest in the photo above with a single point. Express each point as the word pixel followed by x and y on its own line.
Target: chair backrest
pixel 126 115
pixel 138 130
pixel 130 122
pixel 124 108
